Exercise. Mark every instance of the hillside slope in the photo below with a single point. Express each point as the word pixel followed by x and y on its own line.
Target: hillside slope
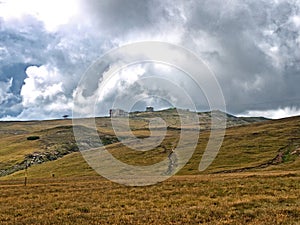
pixel 267 145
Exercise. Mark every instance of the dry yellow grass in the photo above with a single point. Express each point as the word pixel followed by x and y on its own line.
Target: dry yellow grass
pixel 248 198
pixel 77 195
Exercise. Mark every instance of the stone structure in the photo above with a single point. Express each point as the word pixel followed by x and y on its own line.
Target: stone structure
pixel 117 113
pixel 149 109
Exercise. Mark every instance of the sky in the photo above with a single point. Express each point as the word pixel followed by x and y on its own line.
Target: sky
pixel 252 48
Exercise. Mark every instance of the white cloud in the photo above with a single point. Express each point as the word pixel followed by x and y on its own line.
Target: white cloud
pixel 43 94
pixel 42 84
pixel 274 113
pixel 296 20
pixel 52 12
pixel 5 93
pixel 3 52
pixel 252 46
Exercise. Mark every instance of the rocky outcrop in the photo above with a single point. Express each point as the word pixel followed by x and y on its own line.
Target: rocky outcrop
pixel 38 158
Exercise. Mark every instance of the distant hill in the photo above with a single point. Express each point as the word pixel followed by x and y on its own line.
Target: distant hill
pixel 204 117
pixel 249 144
pixel 231 120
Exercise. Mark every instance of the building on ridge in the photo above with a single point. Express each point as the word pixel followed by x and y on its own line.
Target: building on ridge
pixel 117 113
pixel 149 109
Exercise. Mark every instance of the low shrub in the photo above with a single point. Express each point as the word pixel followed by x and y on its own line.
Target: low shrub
pixel 32 138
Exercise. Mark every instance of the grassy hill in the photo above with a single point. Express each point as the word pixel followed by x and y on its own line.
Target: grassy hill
pixel 248 146
pixel 255 178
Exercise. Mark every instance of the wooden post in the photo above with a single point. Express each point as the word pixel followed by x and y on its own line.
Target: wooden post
pixel 25 178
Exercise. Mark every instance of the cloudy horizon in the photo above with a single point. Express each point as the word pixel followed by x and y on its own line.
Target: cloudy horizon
pixel 252 47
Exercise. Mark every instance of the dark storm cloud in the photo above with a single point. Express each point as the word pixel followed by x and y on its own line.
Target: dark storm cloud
pixel 118 17
pixel 253 47
pixel 249 72
pixel 25 43
pixel 22 44
pixel 234 37
pixel 124 21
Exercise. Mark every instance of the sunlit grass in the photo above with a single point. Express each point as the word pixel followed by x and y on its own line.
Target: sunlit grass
pixel 69 191
pixel 249 198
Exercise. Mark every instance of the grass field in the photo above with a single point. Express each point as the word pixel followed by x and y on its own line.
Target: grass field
pixel 248 198
pixel 255 178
